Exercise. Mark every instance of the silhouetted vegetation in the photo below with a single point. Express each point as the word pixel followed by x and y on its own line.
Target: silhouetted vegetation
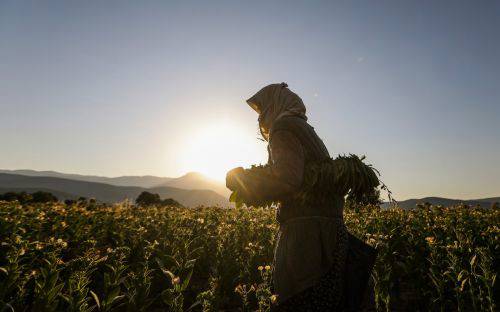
pixel 69 202
pixel 43 197
pixel 25 198
pixel 150 199
pixel 370 198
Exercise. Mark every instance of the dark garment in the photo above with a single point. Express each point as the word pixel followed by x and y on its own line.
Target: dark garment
pixel 325 291
pixel 313 150
pixel 347 286
pixel 307 249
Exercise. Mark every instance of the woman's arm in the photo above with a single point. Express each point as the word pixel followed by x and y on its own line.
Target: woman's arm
pixel 284 175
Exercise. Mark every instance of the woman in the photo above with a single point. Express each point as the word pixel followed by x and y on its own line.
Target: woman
pixel 311 250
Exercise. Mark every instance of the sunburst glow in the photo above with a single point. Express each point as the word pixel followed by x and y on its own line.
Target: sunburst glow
pixel 216 148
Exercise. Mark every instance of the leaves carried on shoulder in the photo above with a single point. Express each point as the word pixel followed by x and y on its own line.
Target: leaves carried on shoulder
pixel 325 180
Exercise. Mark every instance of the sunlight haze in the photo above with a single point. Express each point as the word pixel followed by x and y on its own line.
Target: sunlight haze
pixel 213 149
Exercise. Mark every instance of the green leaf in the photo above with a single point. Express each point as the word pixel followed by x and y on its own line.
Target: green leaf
pixel 9 306
pixel 96 299
pixel 461 275
pixel 194 305
pixel 462 286
pixel 169 274
pixel 473 260
pixel 190 263
pixel 186 280
pixel 110 297
pixel 52 294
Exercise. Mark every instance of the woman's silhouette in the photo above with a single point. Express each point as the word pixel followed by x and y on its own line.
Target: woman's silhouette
pixel 312 245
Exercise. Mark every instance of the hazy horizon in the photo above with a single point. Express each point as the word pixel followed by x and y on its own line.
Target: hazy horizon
pixel 159 88
pixel 222 182
pixel 106 176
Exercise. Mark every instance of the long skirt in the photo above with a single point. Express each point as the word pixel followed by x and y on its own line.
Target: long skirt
pixel 319 266
pixel 309 260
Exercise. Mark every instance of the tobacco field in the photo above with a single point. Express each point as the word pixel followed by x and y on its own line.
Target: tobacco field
pixel 123 257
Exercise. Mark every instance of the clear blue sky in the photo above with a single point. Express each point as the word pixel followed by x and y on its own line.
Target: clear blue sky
pixel 120 88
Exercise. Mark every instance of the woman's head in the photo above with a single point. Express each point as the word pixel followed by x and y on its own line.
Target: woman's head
pixel 273 102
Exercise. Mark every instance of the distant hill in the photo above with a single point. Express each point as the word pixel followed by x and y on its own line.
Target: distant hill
pixel 411 203
pixel 142 181
pixel 195 180
pixel 71 189
pixel 189 181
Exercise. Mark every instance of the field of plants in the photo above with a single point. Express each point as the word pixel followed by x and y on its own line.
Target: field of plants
pixel 92 257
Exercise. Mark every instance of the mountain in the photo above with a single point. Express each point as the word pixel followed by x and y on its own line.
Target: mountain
pixel 142 181
pixel 72 189
pixel 411 203
pixel 189 181
pixel 195 180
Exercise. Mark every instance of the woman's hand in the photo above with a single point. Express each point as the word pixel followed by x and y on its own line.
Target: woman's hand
pixel 233 178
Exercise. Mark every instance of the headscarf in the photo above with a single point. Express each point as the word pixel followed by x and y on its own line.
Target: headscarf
pixel 274 102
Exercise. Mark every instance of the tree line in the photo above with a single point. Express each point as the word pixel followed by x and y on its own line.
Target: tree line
pixel 144 199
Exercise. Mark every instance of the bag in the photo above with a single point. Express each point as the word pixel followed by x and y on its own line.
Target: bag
pixel 359 265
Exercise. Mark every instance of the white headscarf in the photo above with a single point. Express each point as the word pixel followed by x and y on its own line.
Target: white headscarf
pixel 274 102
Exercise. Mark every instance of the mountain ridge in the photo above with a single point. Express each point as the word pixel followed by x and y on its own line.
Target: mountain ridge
pixel 142 181
pixel 434 200
pixel 190 180
pixel 106 192
pixel 196 180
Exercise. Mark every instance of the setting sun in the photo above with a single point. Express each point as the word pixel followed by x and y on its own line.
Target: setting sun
pixel 214 149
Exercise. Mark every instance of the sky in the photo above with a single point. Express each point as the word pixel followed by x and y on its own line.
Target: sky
pixel 158 87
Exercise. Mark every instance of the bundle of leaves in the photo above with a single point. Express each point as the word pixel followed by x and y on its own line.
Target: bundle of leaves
pixel 255 172
pixel 323 181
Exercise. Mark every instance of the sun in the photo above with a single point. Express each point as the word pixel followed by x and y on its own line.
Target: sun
pixel 214 149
